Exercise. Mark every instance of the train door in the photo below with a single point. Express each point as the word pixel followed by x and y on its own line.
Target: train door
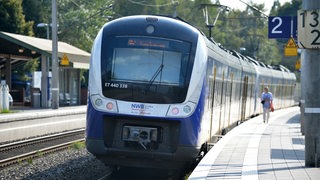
pixel 222 106
pixel 230 98
pixel 244 98
pixel 251 99
pixel 212 89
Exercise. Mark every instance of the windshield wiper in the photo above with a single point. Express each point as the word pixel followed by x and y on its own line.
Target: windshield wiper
pixel 155 75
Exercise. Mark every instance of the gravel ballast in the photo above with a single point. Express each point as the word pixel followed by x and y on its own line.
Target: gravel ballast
pixel 68 164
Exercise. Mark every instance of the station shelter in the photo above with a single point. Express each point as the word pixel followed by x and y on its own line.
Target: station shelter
pixel 16 49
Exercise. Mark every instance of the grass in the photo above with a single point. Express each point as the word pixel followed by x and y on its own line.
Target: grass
pixel 6 111
pixel 39 154
pixel 78 145
pixel 30 160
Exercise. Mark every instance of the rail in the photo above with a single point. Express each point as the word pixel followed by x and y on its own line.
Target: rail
pixel 38 152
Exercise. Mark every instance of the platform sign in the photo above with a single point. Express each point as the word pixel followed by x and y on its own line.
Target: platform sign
pixel 282 27
pixel 64 60
pixel 309 29
pixel 291 48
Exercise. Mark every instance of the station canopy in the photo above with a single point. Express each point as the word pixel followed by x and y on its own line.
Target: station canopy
pixel 19 48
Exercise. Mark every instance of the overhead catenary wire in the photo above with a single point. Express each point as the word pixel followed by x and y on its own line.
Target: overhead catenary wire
pixel 144 3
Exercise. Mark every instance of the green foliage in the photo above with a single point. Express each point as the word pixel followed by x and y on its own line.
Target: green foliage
pixel 80 20
pixel 26 68
pixel 78 145
pixel 29 160
pixel 37 11
pixel 289 9
pixel 12 18
pixel 6 111
pixel 39 154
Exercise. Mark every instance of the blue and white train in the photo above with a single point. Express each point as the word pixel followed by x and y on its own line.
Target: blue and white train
pixel 160 92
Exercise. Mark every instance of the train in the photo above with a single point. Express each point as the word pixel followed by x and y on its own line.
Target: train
pixel 161 92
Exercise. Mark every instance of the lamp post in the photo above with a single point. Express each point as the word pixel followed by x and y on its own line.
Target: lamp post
pixel 47 26
pixel 55 63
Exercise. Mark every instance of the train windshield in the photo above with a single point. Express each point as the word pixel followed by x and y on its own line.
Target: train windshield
pixel 145 69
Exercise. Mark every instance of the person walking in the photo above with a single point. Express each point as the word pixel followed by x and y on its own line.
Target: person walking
pixel 266 100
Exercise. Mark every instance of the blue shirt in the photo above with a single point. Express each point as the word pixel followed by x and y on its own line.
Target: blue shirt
pixel 267 97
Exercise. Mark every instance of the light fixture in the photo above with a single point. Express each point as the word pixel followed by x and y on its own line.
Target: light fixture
pixel 42 25
pixel 33 52
pixel 21 49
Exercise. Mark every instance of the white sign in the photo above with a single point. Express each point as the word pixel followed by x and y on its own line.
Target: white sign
pixel 36 79
pixel 309 29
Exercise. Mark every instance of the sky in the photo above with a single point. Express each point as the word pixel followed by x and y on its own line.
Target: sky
pixel 236 4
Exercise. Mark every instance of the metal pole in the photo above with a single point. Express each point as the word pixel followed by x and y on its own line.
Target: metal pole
pixel 55 66
pixel 310 76
pixel 47 88
pixel 48 34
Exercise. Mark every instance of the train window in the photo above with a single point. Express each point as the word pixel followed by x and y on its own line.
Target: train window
pixel 153 65
pixel 146 69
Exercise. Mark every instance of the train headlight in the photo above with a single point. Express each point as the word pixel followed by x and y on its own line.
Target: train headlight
pixel 175 111
pixel 187 109
pixel 181 110
pixel 109 106
pixel 98 102
pixel 150 29
pixel 103 104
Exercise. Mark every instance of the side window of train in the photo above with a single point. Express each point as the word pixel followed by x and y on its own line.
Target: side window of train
pixel 218 84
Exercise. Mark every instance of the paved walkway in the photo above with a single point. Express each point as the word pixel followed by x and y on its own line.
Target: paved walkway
pixel 255 150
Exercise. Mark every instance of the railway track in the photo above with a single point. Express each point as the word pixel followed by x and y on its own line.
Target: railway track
pixel 16 152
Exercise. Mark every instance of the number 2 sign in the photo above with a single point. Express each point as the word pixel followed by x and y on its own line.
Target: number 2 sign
pixel 309 29
pixel 282 27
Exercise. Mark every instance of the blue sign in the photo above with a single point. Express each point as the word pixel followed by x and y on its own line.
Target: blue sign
pixel 282 27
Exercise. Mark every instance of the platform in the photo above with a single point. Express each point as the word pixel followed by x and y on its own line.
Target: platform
pixel 254 150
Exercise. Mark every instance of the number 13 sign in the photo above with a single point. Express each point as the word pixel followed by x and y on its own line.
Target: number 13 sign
pixel 309 29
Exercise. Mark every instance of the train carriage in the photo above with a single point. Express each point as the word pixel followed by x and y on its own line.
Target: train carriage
pixel 160 92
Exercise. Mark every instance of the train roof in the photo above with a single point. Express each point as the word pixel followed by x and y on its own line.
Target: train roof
pixel 237 54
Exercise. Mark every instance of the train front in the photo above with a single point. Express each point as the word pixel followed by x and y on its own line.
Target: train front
pixel 143 107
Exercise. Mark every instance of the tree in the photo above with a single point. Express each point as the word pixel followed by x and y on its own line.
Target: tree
pixel 37 11
pixel 290 8
pixel 80 22
pixel 12 18
pixel 275 7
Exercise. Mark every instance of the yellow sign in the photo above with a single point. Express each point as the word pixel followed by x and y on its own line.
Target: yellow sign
pixel 291 43
pixel 298 64
pixel 291 48
pixel 290 51
pixel 64 60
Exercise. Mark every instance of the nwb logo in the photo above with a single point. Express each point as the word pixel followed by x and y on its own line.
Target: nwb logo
pixel 137 106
